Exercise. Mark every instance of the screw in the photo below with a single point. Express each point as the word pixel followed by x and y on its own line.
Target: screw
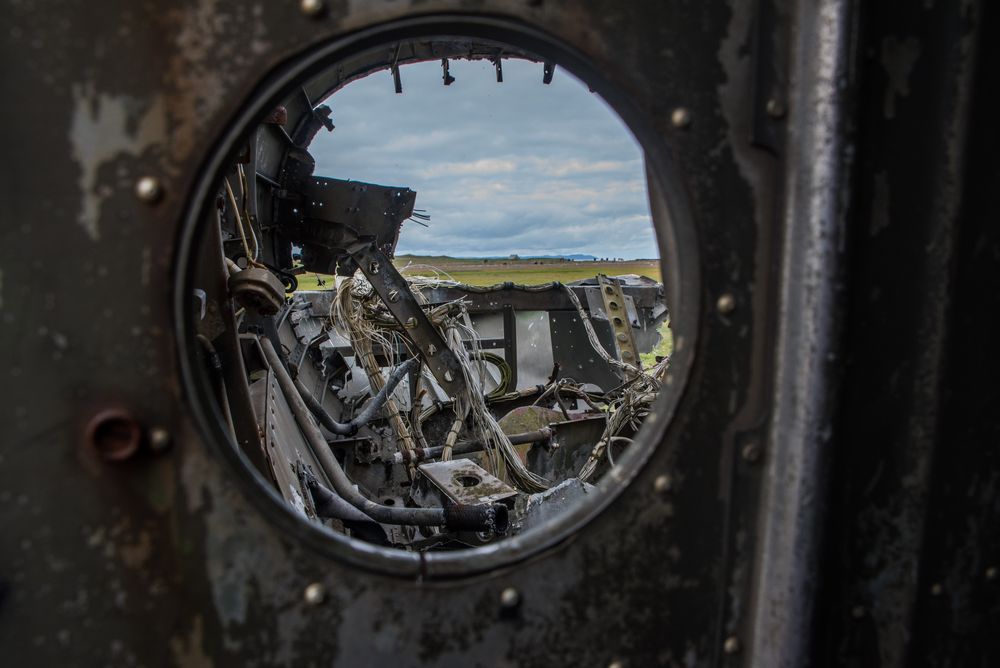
pixel 751 451
pixel 775 109
pixel 663 484
pixel 937 589
pixel 314 594
pixel 681 117
pixel 992 572
pixel 114 434
pixel 726 303
pixel 148 189
pixel 731 645
pixel 311 7
pixel 159 439
pixel 373 267
pixel 448 377
pixel 393 296
pixel 510 598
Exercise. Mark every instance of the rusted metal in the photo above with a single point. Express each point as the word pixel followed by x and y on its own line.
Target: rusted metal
pixel 186 559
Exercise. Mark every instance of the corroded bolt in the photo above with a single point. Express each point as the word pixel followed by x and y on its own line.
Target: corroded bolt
pixel 311 7
pixel 114 434
pixel 148 189
pixel 751 452
pixel 159 439
pixel 731 645
pixel 992 572
pixel 663 484
pixel 510 598
pixel 726 303
pixel 681 117
pixel 314 594
pixel 775 109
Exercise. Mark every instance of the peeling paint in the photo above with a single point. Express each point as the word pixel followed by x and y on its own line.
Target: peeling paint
pixel 104 127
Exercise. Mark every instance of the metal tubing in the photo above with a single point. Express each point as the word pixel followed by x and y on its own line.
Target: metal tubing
pixel 468 447
pixel 351 428
pixel 484 517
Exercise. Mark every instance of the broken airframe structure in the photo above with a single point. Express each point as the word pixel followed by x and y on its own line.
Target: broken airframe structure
pixel 408 412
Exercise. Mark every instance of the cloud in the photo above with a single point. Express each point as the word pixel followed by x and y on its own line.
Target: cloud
pixel 516 167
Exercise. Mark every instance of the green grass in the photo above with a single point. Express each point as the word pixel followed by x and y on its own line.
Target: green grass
pixel 526 272
pixel 663 349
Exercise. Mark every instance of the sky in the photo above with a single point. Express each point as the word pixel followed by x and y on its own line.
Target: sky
pixel 501 168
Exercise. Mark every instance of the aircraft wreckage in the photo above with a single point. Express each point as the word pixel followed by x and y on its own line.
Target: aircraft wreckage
pixel 411 412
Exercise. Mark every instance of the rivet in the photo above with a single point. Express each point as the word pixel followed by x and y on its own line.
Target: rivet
pixel 311 7
pixel 858 612
pixel 937 589
pixel 731 645
pixel 663 484
pixel 114 434
pixel 314 594
pixel 992 572
pixel 751 451
pixel 510 598
pixel 775 109
pixel 448 377
pixel 616 664
pixel 681 117
pixel 726 303
pixel 159 439
pixel 148 189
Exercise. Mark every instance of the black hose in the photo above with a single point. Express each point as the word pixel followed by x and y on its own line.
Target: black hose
pixel 483 517
pixel 365 416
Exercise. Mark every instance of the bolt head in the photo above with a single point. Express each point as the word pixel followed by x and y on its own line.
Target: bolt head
pixel 616 664
pixel 731 645
pixel 751 452
pixel 311 7
pixel 159 439
pixel 663 484
pixel 775 109
pixel 937 589
pixel 148 189
pixel 992 572
pixel 726 303
pixel 510 598
pixel 680 118
pixel 858 612
pixel 314 594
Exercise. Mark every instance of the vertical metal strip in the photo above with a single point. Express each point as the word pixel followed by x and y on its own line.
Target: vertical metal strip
pixel 794 495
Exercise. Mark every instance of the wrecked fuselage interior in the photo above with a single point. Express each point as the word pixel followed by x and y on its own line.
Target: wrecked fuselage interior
pixel 405 411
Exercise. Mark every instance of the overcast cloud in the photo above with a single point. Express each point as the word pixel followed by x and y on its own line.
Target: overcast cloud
pixel 512 167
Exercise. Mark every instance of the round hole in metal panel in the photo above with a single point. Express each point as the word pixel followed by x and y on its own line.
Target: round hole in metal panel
pixel 335 380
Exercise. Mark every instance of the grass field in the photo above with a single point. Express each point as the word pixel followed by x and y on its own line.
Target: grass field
pixel 490 272
pixel 525 272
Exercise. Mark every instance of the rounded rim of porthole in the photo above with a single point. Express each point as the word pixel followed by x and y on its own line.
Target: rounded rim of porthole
pixel 676 239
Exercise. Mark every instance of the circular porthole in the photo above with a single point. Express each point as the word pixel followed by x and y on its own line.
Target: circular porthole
pixel 436 397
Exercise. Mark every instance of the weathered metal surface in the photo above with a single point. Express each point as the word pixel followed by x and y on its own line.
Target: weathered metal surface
pixel 176 557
